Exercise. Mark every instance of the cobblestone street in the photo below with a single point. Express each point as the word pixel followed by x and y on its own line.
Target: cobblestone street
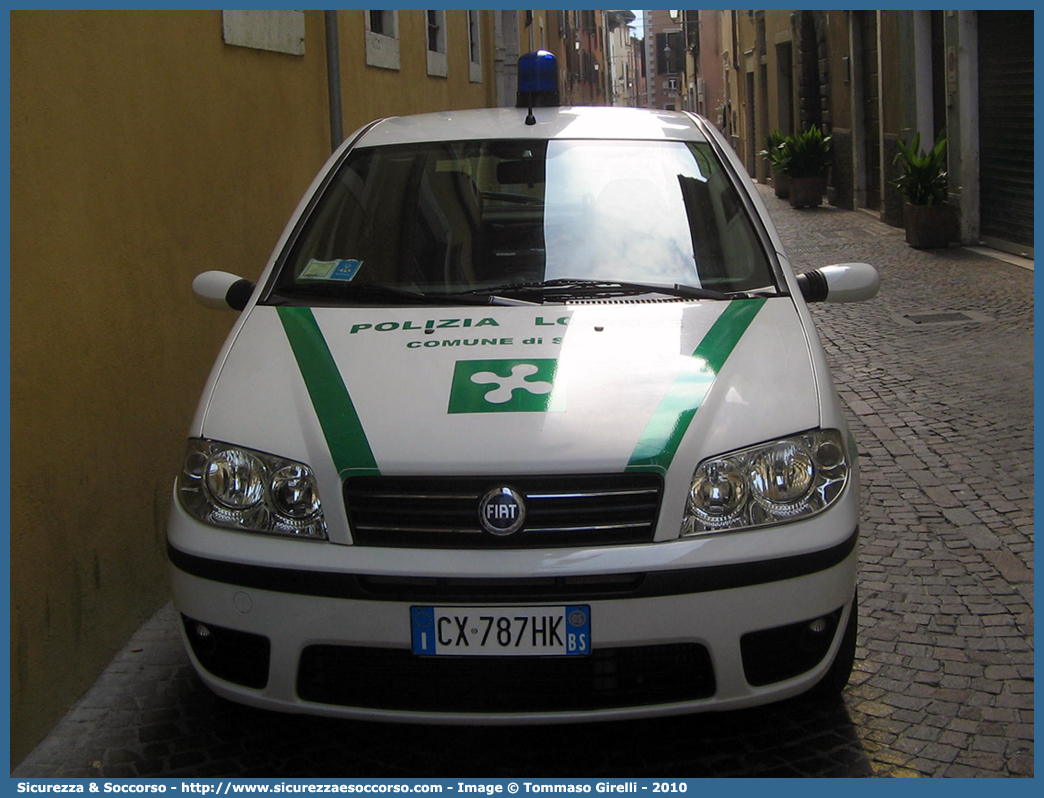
pixel 937 373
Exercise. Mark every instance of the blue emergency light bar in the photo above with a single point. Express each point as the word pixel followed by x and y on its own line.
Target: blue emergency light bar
pixel 537 80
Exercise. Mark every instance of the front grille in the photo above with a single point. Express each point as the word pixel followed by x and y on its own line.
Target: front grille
pixel 382 678
pixel 443 512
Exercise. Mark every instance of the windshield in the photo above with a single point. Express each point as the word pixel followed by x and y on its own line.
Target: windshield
pixel 449 217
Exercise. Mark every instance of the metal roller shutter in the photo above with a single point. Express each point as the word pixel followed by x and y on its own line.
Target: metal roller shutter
pixel 1006 126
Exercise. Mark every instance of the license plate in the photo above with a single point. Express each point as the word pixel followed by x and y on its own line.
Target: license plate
pixel 501 631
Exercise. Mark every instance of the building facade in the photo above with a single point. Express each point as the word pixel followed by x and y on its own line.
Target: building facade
pixel 621 63
pixel 872 78
pixel 585 68
pixel 665 54
pixel 704 70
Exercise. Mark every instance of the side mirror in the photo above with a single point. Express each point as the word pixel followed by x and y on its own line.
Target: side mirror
pixel 222 290
pixel 844 282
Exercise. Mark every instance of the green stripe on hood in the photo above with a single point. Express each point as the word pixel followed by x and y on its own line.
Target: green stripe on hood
pixel 341 426
pixel 665 430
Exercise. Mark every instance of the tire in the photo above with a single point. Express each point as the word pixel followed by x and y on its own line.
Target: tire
pixel 833 683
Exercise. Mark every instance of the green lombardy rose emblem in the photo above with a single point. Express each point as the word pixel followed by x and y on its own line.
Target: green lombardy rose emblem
pixel 505 386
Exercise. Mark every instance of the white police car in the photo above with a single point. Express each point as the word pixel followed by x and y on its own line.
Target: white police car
pixel 525 421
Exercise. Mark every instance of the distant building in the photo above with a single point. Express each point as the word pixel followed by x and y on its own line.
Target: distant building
pixel 621 65
pixel 665 59
pixel 585 66
pixel 705 71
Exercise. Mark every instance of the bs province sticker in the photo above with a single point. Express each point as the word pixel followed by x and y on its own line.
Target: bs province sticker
pixel 505 386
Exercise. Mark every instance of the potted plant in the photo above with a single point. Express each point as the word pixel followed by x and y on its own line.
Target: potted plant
pixel 805 159
pixel 929 220
pixel 773 153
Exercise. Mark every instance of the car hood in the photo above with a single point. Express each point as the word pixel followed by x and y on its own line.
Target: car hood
pixel 513 390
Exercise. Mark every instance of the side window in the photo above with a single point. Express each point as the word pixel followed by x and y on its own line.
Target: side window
pixel 382 39
pixel 438 64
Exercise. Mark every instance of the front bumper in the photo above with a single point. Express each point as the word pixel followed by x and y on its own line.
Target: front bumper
pixel 329 640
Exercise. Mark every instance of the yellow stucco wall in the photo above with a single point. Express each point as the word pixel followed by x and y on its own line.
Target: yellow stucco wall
pixel 144 150
pixel 371 92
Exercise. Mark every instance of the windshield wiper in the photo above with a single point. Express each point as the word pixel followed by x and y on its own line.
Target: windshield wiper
pixel 336 293
pixel 571 288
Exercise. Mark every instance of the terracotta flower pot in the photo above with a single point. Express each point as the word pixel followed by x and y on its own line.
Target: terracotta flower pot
pixel 807 192
pixel 929 227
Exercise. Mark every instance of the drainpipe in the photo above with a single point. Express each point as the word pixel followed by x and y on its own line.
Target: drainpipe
pixel 333 78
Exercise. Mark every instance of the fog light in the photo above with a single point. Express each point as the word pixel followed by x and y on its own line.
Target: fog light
pixel 783 652
pixel 238 657
pixel 819 626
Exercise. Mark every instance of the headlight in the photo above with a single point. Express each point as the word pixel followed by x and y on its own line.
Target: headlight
pixel 234 479
pixel 772 483
pixel 238 488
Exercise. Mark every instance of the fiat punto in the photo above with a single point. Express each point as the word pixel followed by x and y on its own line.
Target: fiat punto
pixel 525 420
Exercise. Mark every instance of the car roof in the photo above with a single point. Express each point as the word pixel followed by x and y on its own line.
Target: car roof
pixel 595 122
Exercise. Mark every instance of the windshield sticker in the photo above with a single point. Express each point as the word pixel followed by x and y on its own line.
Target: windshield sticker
pixel 665 430
pixel 343 270
pixel 506 386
